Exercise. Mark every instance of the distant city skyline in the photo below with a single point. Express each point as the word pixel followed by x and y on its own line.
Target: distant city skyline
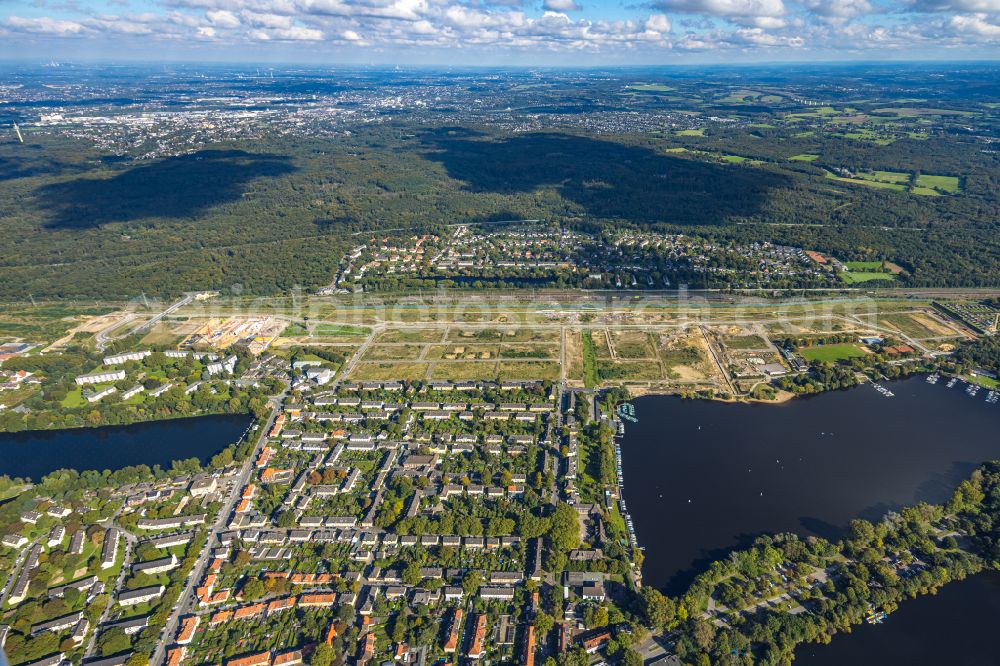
pixel 500 32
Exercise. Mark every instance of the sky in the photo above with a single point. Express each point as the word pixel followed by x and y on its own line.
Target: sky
pixel 500 32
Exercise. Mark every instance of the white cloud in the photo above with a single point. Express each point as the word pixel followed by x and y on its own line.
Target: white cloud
pixel 123 26
pixel 44 26
pixel 977 26
pixel 561 5
pixel 658 23
pixel 223 18
pixel 725 8
pixel 765 22
pixel 409 10
pixel 266 20
pixel 838 9
pixel 974 6
pixel 293 34
pixel 484 27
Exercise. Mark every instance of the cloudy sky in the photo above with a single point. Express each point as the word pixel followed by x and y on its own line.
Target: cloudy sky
pixel 483 32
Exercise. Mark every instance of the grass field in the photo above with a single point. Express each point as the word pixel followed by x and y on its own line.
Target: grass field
pixel 917 325
pixel 804 157
pixel 867 182
pixel 590 378
pixel 863 265
pixel 831 353
pixel 628 371
pixel 650 87
pixel 600 343
pixel 528 351
pixel 985 382
pixel 854 277
pixel 925 185
pixel 868 135
pixel 333 330
pixel 691 132
pixel 632 344
pixel 537 370
pixel 465 370
pixel 295 330
pixel 456 351
pixel 410 335
pixel 384 371
pixel 888 176
pixel 528 334
pixel 403 352
pixel 74 399
pixel 949 184
pixel 738 159
pixel 745 342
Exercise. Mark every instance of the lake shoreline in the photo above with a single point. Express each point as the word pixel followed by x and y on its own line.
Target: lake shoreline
pixel 36 453
pixel 85 426
pixel 809 438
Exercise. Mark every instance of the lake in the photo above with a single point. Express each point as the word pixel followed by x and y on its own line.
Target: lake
pixel 957 627
pixel 36 453
pixel 703 477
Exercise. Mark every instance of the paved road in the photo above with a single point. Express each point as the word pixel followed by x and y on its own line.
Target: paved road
pixel 198 572
pixel 173 308
pixel 103 338
pixel 351 362
pixel 130 541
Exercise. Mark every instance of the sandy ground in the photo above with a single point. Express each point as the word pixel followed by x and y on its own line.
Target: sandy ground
pixel 87 325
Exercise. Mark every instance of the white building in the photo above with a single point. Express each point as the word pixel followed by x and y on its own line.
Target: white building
pixel 103 377
pixel 160 390
pixel 134 391
pixel 97 396
pixel 154 567
pixel 320 375
pixel 228 366
pixel 140 596
pixel 118 359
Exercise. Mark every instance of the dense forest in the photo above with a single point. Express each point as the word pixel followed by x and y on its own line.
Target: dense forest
pixel 266 215
pixel 982 353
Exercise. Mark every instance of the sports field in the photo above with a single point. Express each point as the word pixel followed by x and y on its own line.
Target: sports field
pixel 831 353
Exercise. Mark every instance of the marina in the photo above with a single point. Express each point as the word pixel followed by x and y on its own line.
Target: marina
pixel 992 396
pixel 883 390
pixel 625 412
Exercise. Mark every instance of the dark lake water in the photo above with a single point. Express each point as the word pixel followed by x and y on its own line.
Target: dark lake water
pixel 957 627
pixel 34 454
pixel 702 478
